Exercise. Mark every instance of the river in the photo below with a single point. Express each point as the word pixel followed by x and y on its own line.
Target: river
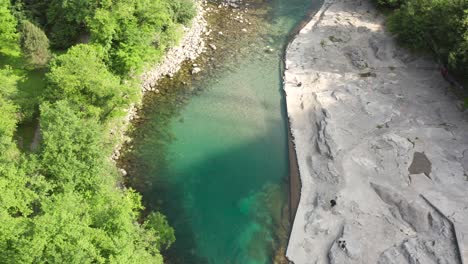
pixel 210 151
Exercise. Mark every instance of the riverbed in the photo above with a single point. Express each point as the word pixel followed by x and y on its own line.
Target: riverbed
pixel 210 149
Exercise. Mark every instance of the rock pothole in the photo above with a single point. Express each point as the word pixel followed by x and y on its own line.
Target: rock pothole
pixel 420 164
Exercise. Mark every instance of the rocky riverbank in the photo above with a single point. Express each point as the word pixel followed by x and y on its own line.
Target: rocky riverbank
pixel 382 146
pixel 191 46
pixel 188 49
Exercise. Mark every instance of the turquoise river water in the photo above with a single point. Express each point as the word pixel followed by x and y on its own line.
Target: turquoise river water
pixel 212 154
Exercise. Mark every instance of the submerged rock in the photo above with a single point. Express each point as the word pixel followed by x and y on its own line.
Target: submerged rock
pixel 196 70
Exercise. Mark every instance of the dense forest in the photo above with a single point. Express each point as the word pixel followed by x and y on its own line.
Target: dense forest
pixel 70 67
pixel 436 26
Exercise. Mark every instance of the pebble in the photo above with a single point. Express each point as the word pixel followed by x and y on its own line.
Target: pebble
pixel 196 70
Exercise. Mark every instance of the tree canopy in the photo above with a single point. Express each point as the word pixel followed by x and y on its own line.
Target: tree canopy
pixel 35 44
pixel 8 34
pixel 66 201
pixel 437 26
pixel 81 77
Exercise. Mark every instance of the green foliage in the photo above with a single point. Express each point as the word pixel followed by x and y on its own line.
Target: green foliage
pixel 35 44
pixel 390 3
pixel 184 11
pixel 81 77
pixel 411 28
pixel 439 26
pixel 132 32
pixel 458 55
pixel 8 34
pixel 30 89
pixel 72 228
pixel 8 111
pixel 66 20
pixel 63 207
pixel 72 146
pixel 157 225
pixel 17 190
pixel 63 204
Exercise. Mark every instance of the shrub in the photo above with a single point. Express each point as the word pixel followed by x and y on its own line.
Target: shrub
pixel 157 224
pixel 437 26
pixel 35 44
pixel 184 11
pixel 390 3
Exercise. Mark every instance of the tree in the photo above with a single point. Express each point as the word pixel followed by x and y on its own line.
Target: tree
pixel 439 27
pixel 8 35
pixel 157 224
pixel 81 77
pixel 8 110
pixel 458 56
pixel 65 203
pixel 72 147
pixel 35 44
pixel 18 191
pixel 184 10
pixel 67 20
pixel 85 219
pixel 132 32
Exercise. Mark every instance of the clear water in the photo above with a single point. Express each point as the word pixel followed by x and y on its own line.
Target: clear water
pixel 217 165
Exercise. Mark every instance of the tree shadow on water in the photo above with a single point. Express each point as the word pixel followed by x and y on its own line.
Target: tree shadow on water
pixel 228 208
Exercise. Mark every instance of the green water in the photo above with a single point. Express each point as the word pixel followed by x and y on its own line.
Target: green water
pixel 213 156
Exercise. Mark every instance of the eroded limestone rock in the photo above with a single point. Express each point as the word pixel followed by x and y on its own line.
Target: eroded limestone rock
pixel 376 132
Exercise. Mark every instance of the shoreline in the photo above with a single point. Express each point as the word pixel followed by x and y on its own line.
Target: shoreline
pixel 189 48
pixel 295 184
pixel 212 39
pixel 380 146
pixel 294 178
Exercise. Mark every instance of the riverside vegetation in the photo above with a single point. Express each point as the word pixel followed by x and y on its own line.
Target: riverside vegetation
pixel 437 26
pixel 72 67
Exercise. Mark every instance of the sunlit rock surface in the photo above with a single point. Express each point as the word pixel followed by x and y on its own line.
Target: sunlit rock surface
pixel 377 130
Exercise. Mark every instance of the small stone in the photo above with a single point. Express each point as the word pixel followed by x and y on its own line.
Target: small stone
pixel 244 30
pixel 268 49
pixel 196 70
pixel 212 46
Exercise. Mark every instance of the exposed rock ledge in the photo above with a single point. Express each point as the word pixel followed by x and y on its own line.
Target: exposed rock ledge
pixel 376 131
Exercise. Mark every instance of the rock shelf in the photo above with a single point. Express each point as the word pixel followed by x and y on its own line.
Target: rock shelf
pixel 377 132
